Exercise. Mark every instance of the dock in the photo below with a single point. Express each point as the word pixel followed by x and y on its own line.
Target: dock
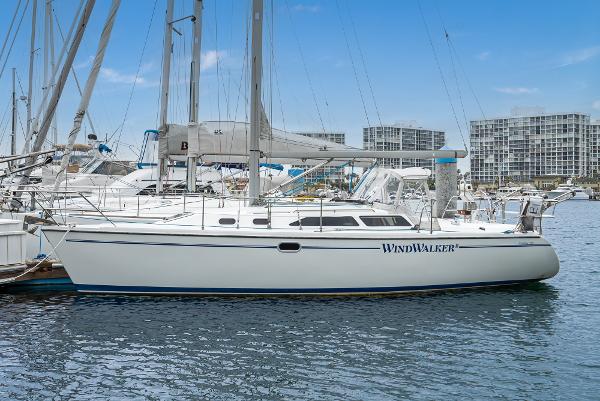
pixel 46 274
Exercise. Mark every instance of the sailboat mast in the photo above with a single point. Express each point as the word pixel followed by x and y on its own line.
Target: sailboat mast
pixel 52 68
pixel 87 92
pixel 31 59
pixel 255 103
pixel 164 98
pixel 13 132
pixel 192 159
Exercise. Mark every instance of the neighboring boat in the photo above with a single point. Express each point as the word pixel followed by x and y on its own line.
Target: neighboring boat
pixel 577 192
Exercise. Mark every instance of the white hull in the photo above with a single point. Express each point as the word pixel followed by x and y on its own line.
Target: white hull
pixel 110 261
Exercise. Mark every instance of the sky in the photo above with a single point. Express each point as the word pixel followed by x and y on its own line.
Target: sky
pixel 328 65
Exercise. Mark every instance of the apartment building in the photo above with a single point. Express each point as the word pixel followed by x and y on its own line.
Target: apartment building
pixel 593 144
pixel 522 147
pixel 403 137
pixel 327 172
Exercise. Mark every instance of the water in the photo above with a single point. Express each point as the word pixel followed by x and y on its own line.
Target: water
pixel 536 342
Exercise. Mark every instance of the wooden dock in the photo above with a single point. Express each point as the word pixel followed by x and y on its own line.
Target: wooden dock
pixel 46 274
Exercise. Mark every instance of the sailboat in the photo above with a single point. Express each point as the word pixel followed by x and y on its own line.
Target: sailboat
pixel 259 245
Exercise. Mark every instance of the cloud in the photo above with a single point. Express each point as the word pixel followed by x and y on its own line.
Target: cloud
pixel 596 105
pixel 84 64
pixel 579 56
pixel 517 90
pixel 484 55
pixel 306 8
pixel 210 58
pixel 113 76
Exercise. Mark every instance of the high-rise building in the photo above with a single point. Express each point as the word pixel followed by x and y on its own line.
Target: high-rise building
pixel 403 137
pixel 526 146
pixel 335 137
pixel 332 173
pixel 593 143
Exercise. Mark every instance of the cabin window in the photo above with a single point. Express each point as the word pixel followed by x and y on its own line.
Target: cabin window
pixel 385 221
pixel 226 221
pixel 260 221
pixel 339 221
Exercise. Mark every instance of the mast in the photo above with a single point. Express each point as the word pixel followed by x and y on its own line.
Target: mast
pixel 13 132
pixel 164 98
pixel 255 103
pixel 88 90
pixel 31 59
pixel 58 88
pixel 42 106
pixel 52 67
pixel 192 159
pixel 46 83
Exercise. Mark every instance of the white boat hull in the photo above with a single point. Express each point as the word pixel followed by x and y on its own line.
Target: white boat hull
pixel 118 262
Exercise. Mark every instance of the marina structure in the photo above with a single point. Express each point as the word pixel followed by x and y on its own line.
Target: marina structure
pixel 403 136
pixel 533 145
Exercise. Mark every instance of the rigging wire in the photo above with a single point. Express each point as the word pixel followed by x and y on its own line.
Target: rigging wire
pixel 466 77
pixel 217 67
pixel 437 62
pixel 310 84
pixel 243 79
pixel 137 73
pixel 362 98
pixel 451 56
pixel 3 124
pixel 271 62
pixel 462 105
pixel 364 64
pixel 453 51
pixel 12 22
pixel 22 96
pixel 14 37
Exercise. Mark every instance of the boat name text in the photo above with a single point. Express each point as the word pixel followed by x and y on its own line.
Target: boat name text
pixel 419 247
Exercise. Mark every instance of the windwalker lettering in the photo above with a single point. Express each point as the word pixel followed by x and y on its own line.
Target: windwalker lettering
pixel 419 247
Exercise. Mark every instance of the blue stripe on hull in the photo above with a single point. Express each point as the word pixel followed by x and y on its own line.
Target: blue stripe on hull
pixel 200 245
pixel 289 291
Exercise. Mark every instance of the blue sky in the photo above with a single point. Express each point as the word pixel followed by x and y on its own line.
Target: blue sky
pixel 506 53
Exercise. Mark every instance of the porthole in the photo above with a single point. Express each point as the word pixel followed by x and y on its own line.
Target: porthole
pixel 289 247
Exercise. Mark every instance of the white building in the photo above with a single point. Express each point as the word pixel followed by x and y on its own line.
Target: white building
pixel 325 173
pixel 527 146
pixel 403 137
pixel 593 143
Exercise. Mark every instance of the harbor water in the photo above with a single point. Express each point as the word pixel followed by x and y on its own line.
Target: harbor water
pixel 540 341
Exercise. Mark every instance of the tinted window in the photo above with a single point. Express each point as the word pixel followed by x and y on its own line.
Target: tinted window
pixel 226 221
pixel 260 221
pixel 344 221
pixel 385 221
